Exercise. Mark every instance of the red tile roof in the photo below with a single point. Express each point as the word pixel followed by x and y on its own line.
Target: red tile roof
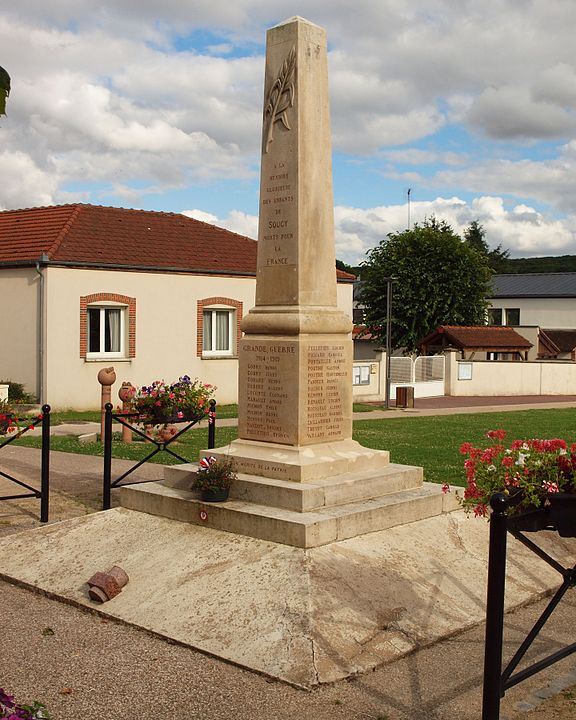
pixel 107 236
pixel 483 337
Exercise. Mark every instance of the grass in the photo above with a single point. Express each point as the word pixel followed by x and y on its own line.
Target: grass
pixel 430 441
pixel 57 417
pixel 433 441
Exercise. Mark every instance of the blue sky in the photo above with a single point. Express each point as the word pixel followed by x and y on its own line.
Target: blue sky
pixel 471 105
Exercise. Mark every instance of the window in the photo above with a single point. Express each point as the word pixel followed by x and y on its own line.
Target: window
pixel 218 324
pixel 495 316
pixel 512 316
pixel 361 375
pixel 217 336
pixel 107 326
pixel 106 331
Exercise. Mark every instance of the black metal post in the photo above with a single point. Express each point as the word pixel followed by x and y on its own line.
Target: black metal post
pixel 45 466
pixel 106 494
pixel 389 282
pixel 212 425
pixel 492 691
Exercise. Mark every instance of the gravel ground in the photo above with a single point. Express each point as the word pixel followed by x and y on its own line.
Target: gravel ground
pixel 83 666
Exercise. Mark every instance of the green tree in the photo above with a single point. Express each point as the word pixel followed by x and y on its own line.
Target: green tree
pixel 474 236
pixel 4 90
pixel 440 280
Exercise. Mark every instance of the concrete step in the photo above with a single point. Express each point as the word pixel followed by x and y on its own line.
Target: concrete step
pixel 305 530
pixel 309 496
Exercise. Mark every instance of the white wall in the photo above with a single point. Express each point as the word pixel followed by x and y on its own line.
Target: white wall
pixel 511 378
pixel 19 327
pixel 555 313
pixel 166 331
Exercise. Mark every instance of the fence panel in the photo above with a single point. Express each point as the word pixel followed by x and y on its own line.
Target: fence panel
pixel 401 370
pixel 428 368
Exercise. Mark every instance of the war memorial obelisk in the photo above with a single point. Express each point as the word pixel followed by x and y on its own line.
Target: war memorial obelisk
pixel 295 360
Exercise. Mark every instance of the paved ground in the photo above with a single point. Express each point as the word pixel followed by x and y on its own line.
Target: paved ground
pixel 85 667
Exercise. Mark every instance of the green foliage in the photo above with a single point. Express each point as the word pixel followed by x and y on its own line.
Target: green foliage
pixel 549 264
pixel 4 89
pixel 17 393
pixel 474 237
pixel 440 280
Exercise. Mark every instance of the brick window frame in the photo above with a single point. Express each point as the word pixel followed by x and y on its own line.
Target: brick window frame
pixel 102 298
pixel 223 303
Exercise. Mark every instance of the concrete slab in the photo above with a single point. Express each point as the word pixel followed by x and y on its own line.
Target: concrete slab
pixel 304 616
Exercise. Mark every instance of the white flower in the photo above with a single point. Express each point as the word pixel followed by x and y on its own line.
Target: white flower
pixel 491 468
pixel 521 459
pixel 562 451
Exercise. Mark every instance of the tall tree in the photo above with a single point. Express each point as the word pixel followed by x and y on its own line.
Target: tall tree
pixel 474 235
pixel 4 90
pixel 439 280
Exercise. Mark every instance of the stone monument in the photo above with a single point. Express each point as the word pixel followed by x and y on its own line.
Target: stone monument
pixel 302 480
pixel 295 360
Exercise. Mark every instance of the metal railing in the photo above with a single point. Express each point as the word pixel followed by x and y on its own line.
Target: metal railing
pixel 496 681
pixel 44 493
pixel 160 445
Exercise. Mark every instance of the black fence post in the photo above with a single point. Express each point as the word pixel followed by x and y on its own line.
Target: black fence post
pixel 212 425
pixel 492 691
pixel 107 439
pixel 45 466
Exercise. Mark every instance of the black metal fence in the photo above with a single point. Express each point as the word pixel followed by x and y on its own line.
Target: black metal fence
pixel 30 492
pixel 496 681
pixel 160 445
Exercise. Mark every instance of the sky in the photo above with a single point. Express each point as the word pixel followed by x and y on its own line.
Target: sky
pixel 133 103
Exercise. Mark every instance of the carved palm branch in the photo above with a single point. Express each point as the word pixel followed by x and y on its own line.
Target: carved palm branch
pixel 281 97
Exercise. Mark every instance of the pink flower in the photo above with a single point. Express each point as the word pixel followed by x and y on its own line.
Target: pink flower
pixel 445 488
pixel 465 448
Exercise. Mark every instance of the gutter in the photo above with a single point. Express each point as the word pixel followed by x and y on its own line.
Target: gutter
pixel 40 334
pixel 138 268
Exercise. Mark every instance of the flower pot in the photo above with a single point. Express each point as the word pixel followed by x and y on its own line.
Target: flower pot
pixel 530 520
pixel 162 416
pixel 214 495
pixel 563 513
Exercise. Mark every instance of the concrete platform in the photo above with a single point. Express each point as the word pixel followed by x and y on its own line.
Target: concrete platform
pixel 304 616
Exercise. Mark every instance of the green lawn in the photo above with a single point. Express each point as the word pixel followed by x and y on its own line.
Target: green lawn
pixel 430 441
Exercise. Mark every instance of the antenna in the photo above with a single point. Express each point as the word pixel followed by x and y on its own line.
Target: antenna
pixel 408 196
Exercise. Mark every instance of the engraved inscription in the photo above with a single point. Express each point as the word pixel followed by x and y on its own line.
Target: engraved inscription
pixel 280 97
pixel 327 375
pixel 269 367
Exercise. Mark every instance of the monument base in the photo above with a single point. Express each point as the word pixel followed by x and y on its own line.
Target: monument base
pixel 302 616
pixel 301 463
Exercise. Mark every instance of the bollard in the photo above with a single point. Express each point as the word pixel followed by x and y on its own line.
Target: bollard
pixel 126 393
pixel 106 378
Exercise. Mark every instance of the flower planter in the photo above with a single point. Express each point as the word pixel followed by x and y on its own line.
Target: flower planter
pixel 563 513
pixel 163 417
pixel 6 420
pixel 531 520
pixel 214 495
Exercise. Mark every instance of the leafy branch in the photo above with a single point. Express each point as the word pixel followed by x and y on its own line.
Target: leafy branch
pixel 4 89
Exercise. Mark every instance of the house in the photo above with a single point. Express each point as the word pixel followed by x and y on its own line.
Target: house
pixel 477 342
pixel 546 300
pixel 156 295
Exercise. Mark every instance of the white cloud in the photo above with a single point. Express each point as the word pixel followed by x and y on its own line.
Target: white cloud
pixel 236 221
pixel 521 229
